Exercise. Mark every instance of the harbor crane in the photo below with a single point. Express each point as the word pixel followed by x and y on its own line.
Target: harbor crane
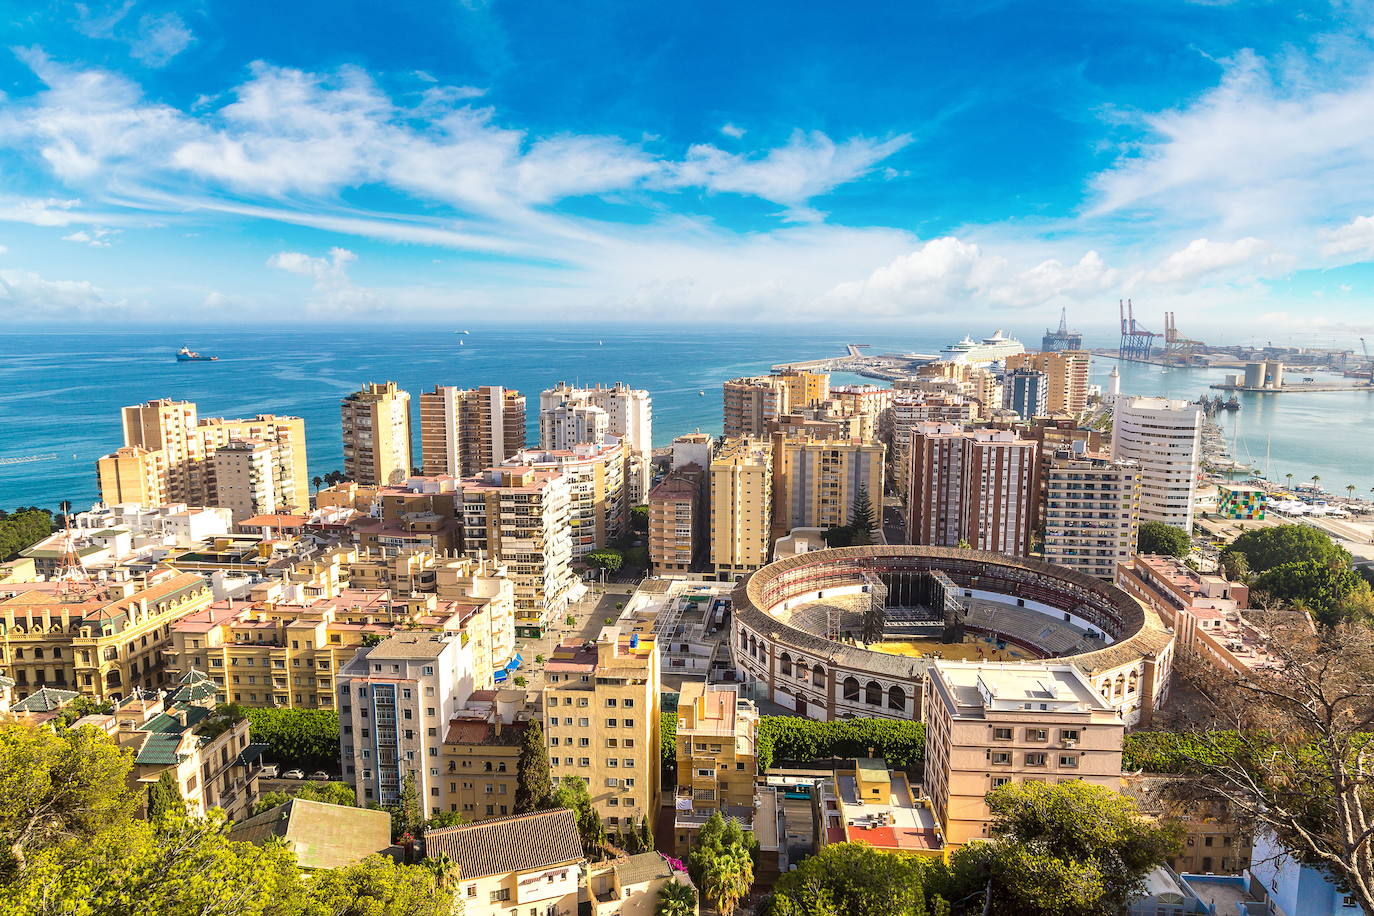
pixel 1136 342
pixel 1368 363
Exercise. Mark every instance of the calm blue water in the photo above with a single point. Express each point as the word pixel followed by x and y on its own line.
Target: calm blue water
pixel 61 392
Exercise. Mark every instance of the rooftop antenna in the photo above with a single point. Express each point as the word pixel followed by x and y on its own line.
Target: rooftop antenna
pixel 71 575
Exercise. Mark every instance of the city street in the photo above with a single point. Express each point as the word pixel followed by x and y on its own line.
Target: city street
pixel 591 613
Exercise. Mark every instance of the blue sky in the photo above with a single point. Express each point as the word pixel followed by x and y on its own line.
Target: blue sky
pixel 766 161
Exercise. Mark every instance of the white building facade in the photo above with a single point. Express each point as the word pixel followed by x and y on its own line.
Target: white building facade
pixel 1164 437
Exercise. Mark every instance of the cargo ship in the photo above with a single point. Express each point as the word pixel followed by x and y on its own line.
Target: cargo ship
pixel 187 355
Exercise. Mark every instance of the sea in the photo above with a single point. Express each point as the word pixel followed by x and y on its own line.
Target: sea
pixel 61 391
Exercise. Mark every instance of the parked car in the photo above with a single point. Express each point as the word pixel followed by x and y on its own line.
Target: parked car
pixel 293 774
pixel 269 771
pixel 321 775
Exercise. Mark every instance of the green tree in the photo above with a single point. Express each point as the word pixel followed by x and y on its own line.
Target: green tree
pixel 1265 548
pixel 57 787
pixel 721 862
pixel 332 793
pixel 639 518
pixel 444 819
pixel 676 899
pixel 1320 588
pixel 861 520
pixel 609 560
pixel 22 528
pixel 646 834
pixel 1159 538
pixel 572 794
pixel 377 886
pixel 534 789
pixel 1234 566
pixel 408 818
pixel 854 879
pixel 1066 849
pixel 305 738
pixel 838 536
pixel 176 865
pixel 317 482
pixel 164 797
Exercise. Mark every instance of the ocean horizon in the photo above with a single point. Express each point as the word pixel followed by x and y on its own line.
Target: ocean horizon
pixel 63 390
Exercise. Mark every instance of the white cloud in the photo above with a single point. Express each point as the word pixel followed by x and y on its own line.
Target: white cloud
pixel 1201 257
pixel 25 295
pixel 809 165
pixel 39 212
pixel 97 237
pixel 732 130
pixel 160 38
pixel 332 292
pixel 1354 239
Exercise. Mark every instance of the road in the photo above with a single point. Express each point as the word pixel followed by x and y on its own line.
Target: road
pixel 591 613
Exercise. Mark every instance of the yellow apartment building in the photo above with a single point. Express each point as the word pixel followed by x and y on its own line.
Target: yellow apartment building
pixel 463 431
pixel 815 481
pixel 1066 372
pixel 717 758
pixel 376 434
pixel 741 507
pixel 601 704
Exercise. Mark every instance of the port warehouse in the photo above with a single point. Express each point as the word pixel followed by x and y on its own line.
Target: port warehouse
pixel 785 613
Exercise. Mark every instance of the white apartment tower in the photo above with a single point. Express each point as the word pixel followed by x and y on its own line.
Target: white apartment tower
pixel 395 702
pixel 1164 437
pixel 629 415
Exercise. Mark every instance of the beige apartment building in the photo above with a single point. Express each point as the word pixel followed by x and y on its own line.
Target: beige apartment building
pixel 976 382
pixel 816 481
pixel 519 517
pixel 100 640
pixel 252 478
pixel 751 402
pixel 977 486
pixel 676 529
pixel 168 456
pixel 741 507
pixel 907 410
pixel 1066 375
pixel 480 757
pixel 598 503
pixel 988 724
pixel 463 431
pixel 717 758
pixel 525 863
pixel 869 403
pixel 1091 509
pixel 601 705
pixel 376 434
pixel 286 653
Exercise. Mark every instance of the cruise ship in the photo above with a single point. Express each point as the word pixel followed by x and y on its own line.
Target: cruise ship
pixel 994 349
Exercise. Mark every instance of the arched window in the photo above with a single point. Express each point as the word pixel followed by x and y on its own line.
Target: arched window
pixel 785 664
pixel 802 672
pixel 818 676
pixel 851 688
pixel 896 698
pixel 873 694
pixel 1134 683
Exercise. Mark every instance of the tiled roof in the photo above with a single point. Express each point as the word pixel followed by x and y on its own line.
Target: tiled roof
pixel 46 699
pixel 509 844
pixel 160 748
pixel 165 723
pixel 322 835
pixel 195 685
pixel 647 866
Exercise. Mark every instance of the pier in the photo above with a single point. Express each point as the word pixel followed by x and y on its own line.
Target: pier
pixel 885 366
pixel 1301 386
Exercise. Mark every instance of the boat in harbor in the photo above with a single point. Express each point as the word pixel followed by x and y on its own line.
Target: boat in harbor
pixel 187 355
pixel 994 349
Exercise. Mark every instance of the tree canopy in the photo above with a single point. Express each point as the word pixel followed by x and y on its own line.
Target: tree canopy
pixel 1159 538
pixel 572 794
pixel 676 899
pixel 1265 548
pixel 855 879
pixel 1322 588
pixel 332 793
pixel 534 789
pixel 305 738
pixel 721 862
pixel 22 528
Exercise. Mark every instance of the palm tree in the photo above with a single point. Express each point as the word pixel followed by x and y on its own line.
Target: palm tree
pixel 1316 479
pixel 728 880
pixel 1289 478
pixel 1350 490
pixel 318 482
pixel 676 899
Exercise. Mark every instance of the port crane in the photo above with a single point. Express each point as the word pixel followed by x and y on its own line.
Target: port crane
pixel 1369 363
pixel 1136 342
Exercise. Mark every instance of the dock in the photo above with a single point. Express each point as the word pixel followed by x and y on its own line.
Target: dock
pixel 1222 386
pixel 885 366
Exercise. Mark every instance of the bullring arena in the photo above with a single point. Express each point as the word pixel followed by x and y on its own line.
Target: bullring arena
pixel 849 631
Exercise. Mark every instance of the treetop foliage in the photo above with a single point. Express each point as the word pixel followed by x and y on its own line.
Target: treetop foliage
pixel 22 528
pixel 305 738
pixel 1265 548
pixel 1160 538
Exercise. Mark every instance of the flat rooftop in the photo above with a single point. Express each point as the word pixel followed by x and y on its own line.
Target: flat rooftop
pixel 902 822
pixel 976 687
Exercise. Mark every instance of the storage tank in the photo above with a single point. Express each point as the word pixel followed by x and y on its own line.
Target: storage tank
pixel 1254 375
pixel 1273 373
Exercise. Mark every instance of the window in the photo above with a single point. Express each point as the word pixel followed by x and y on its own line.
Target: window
pixel 610 701
pixel 1002 758
pixel 1037 734
pixel 1067 735
pixel 999 781
pixel 1071 761
pixel 1001 734
pixel 1035 760
pixel 502 895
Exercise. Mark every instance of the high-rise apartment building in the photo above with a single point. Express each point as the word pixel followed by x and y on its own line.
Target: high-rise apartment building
pixel 395 702
pixel 909 409
pixel 376 434
pixel 676 521
pixel 253 477
pixel 717 757
pixel 816 481
pixel 1164 438
pixel 1025 391
pixel 750 403
pixel 741 507
pixel 1091 510
pixel 601 706
pixel 465 430
pixel 629 416
pixel 598 510
pixel 519 516
pixel 989 724
pixel 168 456
pixel 1066 372
pixel 976 486
pixel 869 403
